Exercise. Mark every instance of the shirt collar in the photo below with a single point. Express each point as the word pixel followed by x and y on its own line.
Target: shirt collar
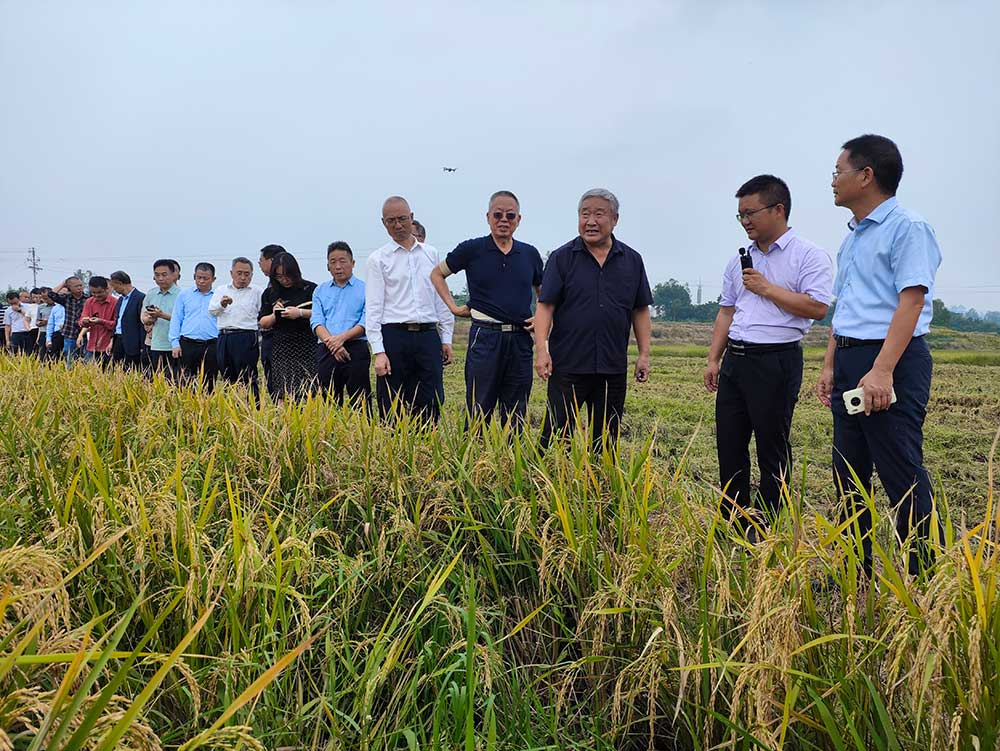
pixel 580 245
pixel 781 243
pixel 348 283
pixel 491 244
pixel 878 214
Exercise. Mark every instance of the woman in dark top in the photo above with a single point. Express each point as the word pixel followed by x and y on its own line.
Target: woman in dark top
pixel 285 309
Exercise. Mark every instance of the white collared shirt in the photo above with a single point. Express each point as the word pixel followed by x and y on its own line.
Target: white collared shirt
pixel 398 289
pixel 242 312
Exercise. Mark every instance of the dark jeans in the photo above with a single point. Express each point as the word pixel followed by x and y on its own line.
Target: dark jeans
pixel 198 358
pixel 602 393
pixel 891 441
pixel 352 378
pixel 416 381
pixel 236 354
pixel 498 371
pixel 757 395
pixel 119 356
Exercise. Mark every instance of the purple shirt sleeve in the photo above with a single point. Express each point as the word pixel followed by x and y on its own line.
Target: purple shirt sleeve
pixel 729 288
pixel 816 276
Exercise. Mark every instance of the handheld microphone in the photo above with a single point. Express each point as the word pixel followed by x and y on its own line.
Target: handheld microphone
pixel 746 262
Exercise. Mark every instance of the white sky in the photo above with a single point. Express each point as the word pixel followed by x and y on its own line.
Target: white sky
pixel 201 131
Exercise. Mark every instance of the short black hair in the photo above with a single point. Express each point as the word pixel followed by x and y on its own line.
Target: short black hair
pixel 98 282
pixel 339 245
pixel 204 266
pixel 35 290
pixel 121 277
pixel 285 263
pixel 879 154
pixel 169 263
pixel 13 296
pixel 270 251
pixel 771 189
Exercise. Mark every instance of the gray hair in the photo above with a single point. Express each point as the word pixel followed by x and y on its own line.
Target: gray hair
pixel 506 194
pixel 607 195
pixel 241 259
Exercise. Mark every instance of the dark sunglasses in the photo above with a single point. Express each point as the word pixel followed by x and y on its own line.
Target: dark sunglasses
pixel 511 215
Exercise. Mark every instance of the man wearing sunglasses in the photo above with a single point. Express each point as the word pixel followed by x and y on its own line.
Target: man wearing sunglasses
pixel 501 273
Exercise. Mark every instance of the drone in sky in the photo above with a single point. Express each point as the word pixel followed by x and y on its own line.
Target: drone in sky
pixel 450 169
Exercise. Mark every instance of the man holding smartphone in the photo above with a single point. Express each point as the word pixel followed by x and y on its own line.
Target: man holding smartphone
pixel 770 297
pixel 157 311
pixel 884 287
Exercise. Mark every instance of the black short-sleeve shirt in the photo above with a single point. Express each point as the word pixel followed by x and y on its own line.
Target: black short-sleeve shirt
pixel 500 286
pixel 592 320
pixel 289 296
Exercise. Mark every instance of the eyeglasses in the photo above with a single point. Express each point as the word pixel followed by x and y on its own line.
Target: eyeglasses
pixel 395 219
pixel 838 173
pixel 511 215
pixel 744 215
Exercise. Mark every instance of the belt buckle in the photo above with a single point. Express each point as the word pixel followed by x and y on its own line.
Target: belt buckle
pixel 506 327
pixel 737 349
pixel 842 342
pixel 413 327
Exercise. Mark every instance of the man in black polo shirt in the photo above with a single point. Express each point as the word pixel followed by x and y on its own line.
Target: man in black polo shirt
pixel 501 273
pixel 593 291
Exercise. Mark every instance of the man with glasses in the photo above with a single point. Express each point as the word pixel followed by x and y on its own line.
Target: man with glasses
pixel 158 308
pixel 755 360
pixel 193 330
pixel 501 273
pixel 884 287
pixel 236 307
pixel 407 323
pixel 594 292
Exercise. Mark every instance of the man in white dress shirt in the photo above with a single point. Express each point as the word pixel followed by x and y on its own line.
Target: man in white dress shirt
pixel 236 307
pixel 408 325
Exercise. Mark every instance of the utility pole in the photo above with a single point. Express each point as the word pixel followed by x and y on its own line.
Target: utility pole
pixel 34 266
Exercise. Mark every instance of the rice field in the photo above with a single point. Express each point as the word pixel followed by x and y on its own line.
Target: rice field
pixel 180 570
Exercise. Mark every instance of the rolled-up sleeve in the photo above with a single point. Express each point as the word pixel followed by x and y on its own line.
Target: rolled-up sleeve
pixel 374 302
pixel 915 256
pixel 816 276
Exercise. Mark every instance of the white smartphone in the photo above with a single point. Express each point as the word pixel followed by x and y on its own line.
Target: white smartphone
pixel 854 400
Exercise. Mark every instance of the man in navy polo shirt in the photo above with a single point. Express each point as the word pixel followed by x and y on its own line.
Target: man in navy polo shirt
pixel 501 273
pixel 594 290
pixel 884 287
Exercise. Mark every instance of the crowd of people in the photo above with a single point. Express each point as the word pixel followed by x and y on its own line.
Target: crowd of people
pixel 589 297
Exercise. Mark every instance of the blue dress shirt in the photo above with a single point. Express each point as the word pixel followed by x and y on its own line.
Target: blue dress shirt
pixel 190 317
pixel 121 310
pixel 339 308
pixel 57 317
pixel 889 250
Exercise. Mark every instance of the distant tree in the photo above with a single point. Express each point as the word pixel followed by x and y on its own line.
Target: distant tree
pixel 461 298
pixel 942 316
pixel 672 300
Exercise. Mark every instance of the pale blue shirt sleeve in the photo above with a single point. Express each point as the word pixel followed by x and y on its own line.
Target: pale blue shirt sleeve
pixel 176 320
pixel 816 276
pixel 319 298
pixel 915 256
pixel 729 290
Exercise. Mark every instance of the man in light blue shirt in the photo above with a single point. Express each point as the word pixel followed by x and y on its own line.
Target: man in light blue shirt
pixel 884 287
pixel 53 331
pixel 343 360
pixel 193 330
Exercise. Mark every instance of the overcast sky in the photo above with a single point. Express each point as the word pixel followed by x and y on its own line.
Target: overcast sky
pixel 204 130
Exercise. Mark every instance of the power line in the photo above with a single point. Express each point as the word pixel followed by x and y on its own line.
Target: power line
pixel 34 265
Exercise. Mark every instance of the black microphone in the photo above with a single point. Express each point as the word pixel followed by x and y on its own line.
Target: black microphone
pixel 746 262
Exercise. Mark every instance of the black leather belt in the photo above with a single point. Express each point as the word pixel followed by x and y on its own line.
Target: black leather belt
pixel 237 331
pixel 843 342
pixel 497 326
pixel 741 349
pixel 196 341
pixel 410 326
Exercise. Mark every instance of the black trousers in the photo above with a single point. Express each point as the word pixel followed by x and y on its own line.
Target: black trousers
pixel 757 395
pixel 416 382
pixel 236 354
pixel 119 356
pixel 22 342
pixel 891 441
pixel 498 373
pixel 162 361
pixel 198 359
pixel 602 393
pixel 266 349
pixel 56 351
pixel 352 377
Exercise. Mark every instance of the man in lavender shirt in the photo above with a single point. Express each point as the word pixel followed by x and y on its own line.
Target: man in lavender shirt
pixel 764 312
